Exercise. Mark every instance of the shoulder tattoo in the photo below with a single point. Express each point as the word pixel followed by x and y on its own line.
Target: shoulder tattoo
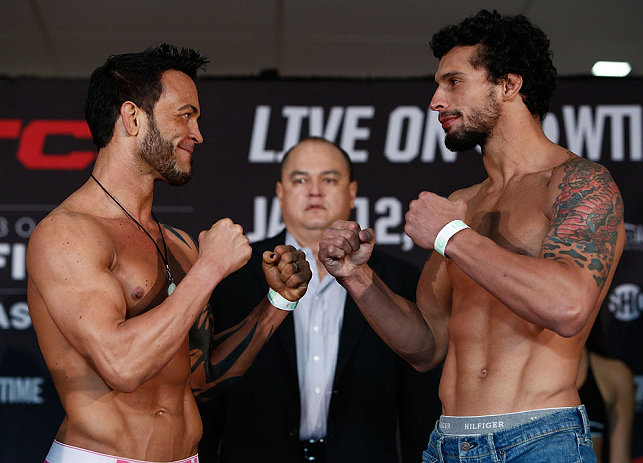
pixel 586 217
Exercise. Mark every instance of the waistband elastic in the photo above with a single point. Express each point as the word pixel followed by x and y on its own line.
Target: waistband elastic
pixel 469 425
pixel 63 453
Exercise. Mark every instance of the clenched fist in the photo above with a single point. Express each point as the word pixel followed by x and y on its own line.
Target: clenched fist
pixel 345 247
pixel 428 214
pixel 225 246
pixel 287 271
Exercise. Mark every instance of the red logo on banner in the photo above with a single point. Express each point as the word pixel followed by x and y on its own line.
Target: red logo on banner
pixel 32 143
pixel 10 128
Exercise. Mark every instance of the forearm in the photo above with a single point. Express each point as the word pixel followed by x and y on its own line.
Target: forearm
pixel 621 414
pixel 620 435
pixel 395 319
pixel 233 351
pixel 545 292
pixel 620 450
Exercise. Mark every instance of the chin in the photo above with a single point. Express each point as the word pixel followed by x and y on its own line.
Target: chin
pixel 318 225
pixel 178 178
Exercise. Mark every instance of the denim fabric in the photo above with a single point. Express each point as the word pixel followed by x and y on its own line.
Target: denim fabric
pixel 561 437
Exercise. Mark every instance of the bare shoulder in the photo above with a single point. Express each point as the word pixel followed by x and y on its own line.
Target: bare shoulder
pixel 66 222
pixel 64 235
pixel 466 193
pixel 577 177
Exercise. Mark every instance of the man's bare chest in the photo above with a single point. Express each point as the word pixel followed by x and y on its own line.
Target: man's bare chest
pixel 140 268
pixel 517 219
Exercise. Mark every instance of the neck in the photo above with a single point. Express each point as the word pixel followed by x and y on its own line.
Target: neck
pixel 164 253
pixel 133 189
pixel 518 147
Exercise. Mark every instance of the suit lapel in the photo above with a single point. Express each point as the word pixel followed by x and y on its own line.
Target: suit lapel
pixel 352 327
pixel 286 335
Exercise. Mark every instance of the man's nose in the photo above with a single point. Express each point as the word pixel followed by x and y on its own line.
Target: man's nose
pixel 195 133
pixel 438 102
pixel 315 188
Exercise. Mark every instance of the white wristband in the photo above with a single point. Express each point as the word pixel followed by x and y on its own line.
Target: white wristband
pixel 280 302
pixel 446 233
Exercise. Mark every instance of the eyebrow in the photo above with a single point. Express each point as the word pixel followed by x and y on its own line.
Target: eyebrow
pixel 296 173
pixel 448 75
pixel 189 106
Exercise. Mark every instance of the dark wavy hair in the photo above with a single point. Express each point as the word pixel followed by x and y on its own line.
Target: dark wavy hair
pixel 134 77
pixel 508 44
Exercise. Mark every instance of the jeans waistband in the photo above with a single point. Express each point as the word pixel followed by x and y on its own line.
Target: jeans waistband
pixel 469 425
pixel 541 438
pixel 559 419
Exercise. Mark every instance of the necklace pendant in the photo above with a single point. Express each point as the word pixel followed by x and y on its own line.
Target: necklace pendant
pixel 171 288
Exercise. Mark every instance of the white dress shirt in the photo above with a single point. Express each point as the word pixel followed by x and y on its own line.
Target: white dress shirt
pixel 318 322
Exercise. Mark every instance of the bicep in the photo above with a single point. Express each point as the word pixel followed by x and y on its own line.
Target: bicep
pixel 78 291
pixel 586 222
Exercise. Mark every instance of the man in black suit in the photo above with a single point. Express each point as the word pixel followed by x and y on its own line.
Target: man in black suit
pixel 325 387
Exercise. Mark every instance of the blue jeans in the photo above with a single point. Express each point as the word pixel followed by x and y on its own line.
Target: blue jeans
pixel 560 437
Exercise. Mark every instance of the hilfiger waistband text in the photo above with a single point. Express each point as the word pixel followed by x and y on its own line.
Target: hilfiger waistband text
pixel 478 425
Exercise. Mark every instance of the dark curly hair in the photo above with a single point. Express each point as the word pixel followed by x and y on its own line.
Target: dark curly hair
pixel 508 44
pixel 134 77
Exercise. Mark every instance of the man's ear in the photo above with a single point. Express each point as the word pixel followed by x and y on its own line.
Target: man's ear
pixel 279 190
pixel 352 188
pixel 131 118
pixel 511 86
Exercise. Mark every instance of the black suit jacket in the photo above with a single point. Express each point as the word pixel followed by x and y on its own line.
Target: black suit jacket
pixel 374 389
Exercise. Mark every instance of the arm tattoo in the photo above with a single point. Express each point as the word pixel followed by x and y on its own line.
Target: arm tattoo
pixel 586 217
pixel 200 338
pixel 203 342
pixel 215 372
pixel 178 235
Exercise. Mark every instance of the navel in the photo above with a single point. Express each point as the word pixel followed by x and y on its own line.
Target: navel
pixel 138 293
pixel 483 373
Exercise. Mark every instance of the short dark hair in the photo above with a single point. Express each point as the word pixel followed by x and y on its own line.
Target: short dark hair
pixel 349 163
pixel 134 77
pixel 508 44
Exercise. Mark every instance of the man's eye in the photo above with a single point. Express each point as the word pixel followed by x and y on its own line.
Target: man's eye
pixel 300 180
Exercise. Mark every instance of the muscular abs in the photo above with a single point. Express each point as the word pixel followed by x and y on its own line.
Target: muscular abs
pixel 502 362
